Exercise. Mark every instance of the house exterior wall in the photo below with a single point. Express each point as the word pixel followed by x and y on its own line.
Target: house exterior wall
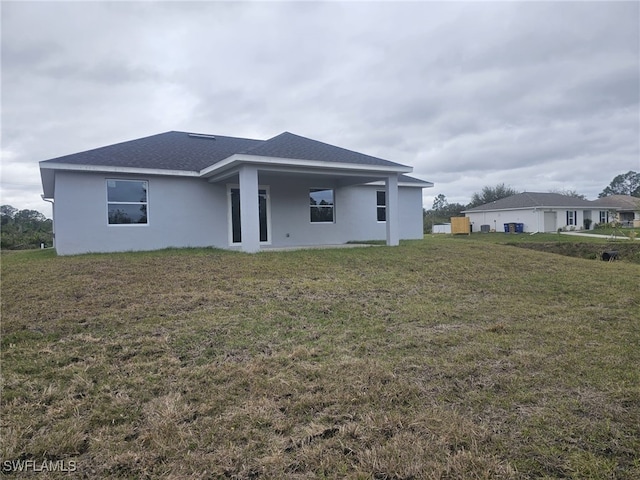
pixel 355 213
pixel 533 219
pixel 182 212
pixel 191 212
pixel 496 220
pixel 361 220
pixel 290 212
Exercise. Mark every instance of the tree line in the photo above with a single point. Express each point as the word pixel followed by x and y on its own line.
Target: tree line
pixel 22 229
pixel 442 211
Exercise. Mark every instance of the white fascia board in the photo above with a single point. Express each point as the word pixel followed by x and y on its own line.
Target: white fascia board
pixel 292 162
pixel 112 169
pixel 421 184
pixel 569 207
pixel 231 171
pixel 501 209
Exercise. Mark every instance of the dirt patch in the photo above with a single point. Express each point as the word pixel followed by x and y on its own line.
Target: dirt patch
pixel 627 252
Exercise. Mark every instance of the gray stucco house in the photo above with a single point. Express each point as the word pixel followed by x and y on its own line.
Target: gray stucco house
pixel 179 189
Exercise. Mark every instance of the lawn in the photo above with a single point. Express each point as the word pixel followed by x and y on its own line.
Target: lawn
pixel 568 245
pixel 617 232
pixel 443 358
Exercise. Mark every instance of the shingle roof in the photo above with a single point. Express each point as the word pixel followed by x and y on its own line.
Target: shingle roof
pixel 623 202
pixel 533 199
pixel 407 179
pixel 194 152
pixel 288 145
pixel 165 151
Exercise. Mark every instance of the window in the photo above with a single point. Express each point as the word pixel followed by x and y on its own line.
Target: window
pixel 604 216
pixel 572 216
pixel 321 203
pixel 381 205
pixel 127 202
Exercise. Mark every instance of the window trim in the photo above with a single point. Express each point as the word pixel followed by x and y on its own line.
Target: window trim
pixel 333 205
pixel 107 203
pixel 383 206
pixel 572 218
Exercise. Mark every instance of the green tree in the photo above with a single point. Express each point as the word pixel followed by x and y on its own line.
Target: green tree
pixel 7 212
pixel 569 193
pixel 491 194
pixel 439 203
pixel 623 184
pixel 441 212
pixel 24 228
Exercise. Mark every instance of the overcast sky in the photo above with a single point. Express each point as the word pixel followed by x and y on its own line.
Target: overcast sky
pixel 539 96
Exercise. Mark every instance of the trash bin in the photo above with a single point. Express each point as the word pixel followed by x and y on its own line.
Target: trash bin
pixel 519 227
pixel 510 227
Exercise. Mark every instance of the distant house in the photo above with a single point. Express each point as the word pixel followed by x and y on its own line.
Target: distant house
pixel 179 189
pixel 620 208
pixel 441 228
pixel 536 212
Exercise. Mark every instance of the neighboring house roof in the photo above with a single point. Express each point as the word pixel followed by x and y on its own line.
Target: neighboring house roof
pixel 619 202
pixel 532 200
pixel 195 152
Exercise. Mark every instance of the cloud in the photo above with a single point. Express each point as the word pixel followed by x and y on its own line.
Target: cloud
pixel 538 95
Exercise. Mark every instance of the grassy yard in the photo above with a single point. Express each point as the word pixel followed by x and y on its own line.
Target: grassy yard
pixel 443 358
pixel 617 231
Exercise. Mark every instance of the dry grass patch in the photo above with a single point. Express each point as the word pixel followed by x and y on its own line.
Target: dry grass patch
pixel 436 359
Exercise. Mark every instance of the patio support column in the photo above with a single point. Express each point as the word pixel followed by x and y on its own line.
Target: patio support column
pixel 249 210
pixel 393 224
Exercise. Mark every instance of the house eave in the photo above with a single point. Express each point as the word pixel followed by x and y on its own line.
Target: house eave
pixel 228 167
pixel 116 169
pixel 499 209
pixel 277 162
pixel 536 207
pixel 421 184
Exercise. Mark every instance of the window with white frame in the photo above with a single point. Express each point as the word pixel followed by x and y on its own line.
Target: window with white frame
pixel 572 216
pixel 381 205
pixel 127 202
pixel 321 205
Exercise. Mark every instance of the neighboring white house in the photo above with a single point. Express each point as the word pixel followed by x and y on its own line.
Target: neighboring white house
pixel 441 228
pixel 539 212
pixel 179 189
